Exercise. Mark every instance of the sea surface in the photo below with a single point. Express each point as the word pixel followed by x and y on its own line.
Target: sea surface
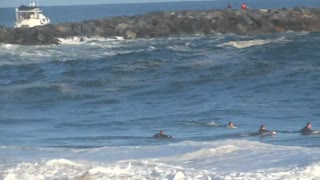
pixel 88 109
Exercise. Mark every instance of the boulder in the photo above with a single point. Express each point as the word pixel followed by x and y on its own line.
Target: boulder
pixel 130 34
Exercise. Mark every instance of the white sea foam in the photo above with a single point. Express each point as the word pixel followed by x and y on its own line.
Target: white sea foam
pixel 150 170
pixel 76 40
pixel 98 47
pixel 250 43
pixel 245 44
pixel 73 40
pixel 180 48
pixel 9 46
pixel 70 49
pixel 230 159
pixel 61 162
pixel 212 123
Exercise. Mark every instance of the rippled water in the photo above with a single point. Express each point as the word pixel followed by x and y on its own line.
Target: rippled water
pixel 100 101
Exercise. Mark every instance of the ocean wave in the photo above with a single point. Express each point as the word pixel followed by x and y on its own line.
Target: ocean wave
pixel 197 160
pixel 95 48
pixel 42 88
pixel 146 85
pixel 68 169
pixel 40 92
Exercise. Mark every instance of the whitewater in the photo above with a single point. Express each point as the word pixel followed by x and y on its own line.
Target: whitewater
pixel 88 108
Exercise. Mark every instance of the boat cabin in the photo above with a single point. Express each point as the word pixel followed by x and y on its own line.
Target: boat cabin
pixel 30 16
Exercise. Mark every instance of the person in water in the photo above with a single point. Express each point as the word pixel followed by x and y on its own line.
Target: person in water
pixel 307 129
pixel 263 131
pixel 161 135
pixel 231 125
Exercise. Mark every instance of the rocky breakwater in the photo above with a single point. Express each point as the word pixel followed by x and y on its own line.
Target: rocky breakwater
pixel 175 23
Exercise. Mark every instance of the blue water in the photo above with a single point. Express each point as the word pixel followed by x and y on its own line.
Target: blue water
pixel 92 106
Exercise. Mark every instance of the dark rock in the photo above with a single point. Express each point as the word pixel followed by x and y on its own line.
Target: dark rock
pixel 165 24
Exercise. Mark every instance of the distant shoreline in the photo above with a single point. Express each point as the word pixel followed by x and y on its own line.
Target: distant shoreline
pixel 173 23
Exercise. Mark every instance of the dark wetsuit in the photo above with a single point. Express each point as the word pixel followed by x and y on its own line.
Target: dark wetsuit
pixel 306 131
pixel 162 136
pixel 264 132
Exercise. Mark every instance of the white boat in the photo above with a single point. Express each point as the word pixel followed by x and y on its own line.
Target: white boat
pixel 30 16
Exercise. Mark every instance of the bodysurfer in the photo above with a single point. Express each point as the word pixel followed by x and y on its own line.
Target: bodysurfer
pixel 263 131
pixel 161 135
pixel 307 129
pixel 231 125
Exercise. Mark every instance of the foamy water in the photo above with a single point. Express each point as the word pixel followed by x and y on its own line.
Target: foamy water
pixel 231 159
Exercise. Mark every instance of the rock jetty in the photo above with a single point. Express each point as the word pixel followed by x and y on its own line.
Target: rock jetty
pixel 173 23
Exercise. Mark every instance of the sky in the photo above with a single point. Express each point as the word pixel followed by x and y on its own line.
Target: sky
pixel 16 3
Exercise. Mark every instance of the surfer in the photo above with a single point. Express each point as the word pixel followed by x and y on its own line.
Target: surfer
pixel 231 125
pixel 307 129
pixel 161 135
pixel 263 131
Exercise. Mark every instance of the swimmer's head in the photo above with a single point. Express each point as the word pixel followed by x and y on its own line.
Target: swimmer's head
pixel 231 125
pixel 309 125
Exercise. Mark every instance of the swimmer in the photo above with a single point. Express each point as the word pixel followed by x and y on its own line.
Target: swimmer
pixel 231 125
pixel 263 131
pixel 161 135
pixel 307 129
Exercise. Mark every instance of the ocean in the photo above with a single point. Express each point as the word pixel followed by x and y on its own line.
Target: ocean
pixel 87 110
